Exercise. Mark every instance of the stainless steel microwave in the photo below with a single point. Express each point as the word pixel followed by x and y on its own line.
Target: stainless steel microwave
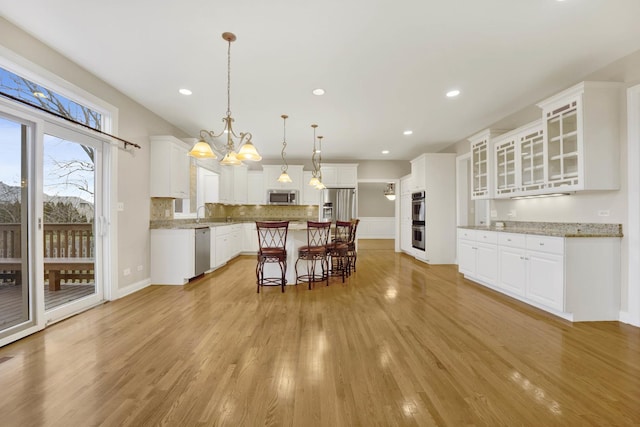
pixel 282 197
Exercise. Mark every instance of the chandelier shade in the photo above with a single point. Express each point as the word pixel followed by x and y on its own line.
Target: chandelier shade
pixel 208 145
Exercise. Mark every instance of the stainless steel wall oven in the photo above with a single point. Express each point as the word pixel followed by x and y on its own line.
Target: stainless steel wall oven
pixel 418 217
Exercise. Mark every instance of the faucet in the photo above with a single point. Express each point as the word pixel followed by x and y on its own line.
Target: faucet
pixel 198 213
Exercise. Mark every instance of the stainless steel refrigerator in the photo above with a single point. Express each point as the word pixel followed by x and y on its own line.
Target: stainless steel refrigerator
pixel 338 204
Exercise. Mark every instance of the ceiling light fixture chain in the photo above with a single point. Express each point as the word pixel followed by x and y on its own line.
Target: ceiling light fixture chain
pixel 205 147
pixel 320 185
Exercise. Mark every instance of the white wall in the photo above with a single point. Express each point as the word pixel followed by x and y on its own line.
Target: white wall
pixel 135 123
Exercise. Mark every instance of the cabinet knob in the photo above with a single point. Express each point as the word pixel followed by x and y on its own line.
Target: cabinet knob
pixel 541 244
pixel 508 240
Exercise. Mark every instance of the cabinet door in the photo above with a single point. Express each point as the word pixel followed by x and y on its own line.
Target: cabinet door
pixel 180 166
pixel 487 263
pixel 562 144
pixel 480 169
pixel 240 184
pixel 222 249
pixel 329 176
pixel 255 188
pixel 250 241
pixel 310 195
pixel 467 257
pixel 545 283
pixel 513 272
pixel 405 237
pixel 506 179
pixel 532 162
pixel 347 176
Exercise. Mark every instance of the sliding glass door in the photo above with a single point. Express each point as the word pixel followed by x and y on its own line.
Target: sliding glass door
pixel 73 223
pixel 16 310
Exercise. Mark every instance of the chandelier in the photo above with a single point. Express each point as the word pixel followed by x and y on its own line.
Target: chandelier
pixel 284 176
pixel 202 149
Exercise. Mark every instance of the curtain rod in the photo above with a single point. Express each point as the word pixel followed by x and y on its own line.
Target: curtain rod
pixel 60 116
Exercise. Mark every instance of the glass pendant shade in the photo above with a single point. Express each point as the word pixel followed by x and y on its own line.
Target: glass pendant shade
pixel 248 152
pixel 314 181
pixel 202 150
pixel 390 191
pixel 320 186
pixel 230 159
pixel 284 177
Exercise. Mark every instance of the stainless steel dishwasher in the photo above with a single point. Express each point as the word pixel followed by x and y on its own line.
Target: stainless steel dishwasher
pixel 203 250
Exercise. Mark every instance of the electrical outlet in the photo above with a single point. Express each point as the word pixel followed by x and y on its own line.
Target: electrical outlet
pixel 604 213
pixel 120 206
pixel 126 271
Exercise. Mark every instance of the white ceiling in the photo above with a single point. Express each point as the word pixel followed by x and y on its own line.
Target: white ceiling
pixel 385 65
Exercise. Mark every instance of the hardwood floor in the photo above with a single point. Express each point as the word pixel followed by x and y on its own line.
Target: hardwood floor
pixel 400 343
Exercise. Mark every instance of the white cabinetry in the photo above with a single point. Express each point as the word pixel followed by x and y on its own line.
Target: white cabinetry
pixel 255 188
pixel 478 255
pixel 272 173
pixel 531 160
pixel 233 184
pixel 172 256
pixel 236 240
pixel 169 168
pixel 250 238
pixel 418 174
pixel 582 139
pixel 440 206
pixel 575 278
pixel 405 215
pixel 337 175
pixel 222 250
pixel 310 194
pixel 482 164
pixel 506 171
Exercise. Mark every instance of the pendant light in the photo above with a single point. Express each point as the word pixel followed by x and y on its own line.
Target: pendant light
pixel 284 176
pixel 247 150
pixel 314 174
pixel 320 185
pixel 390 191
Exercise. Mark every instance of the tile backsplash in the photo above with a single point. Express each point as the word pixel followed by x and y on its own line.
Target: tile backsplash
pixel 162 210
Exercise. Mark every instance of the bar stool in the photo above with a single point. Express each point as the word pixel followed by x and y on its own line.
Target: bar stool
pixel 314 252
pixel 272 238
pixel 338 250
pixel 352 255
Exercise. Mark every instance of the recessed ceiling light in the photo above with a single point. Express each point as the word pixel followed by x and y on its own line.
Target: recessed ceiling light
pixel 408 132
pixel 185 91
pixel 385 151
pixel 453 93
pixel 318 92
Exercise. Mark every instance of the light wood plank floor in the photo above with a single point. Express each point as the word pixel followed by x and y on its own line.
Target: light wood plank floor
pixel 400 343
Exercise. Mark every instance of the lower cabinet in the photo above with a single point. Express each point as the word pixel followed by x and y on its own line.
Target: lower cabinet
pixel 222 251
pixel 478 255
pixel 172 256
pixel 575 278
pixel 250 238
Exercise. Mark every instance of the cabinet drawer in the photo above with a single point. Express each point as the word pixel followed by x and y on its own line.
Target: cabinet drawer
pixel 545 244
pixel 486 236
pixel 513 240
pixel 466 234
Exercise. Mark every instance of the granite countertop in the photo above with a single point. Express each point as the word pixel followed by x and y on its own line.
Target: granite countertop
pixel 191 224
pixel 555 229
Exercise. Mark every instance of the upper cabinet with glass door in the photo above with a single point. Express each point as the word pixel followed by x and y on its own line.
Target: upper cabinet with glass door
pixel 581 127
pixel 506 172
pixel 482 164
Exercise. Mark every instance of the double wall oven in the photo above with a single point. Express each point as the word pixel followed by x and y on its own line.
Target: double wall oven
pixel 418 216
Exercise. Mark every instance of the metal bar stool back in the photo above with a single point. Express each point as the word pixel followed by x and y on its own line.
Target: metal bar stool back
pixel 339 248
pixel 352 254
pixel 315 252
pixel 272 240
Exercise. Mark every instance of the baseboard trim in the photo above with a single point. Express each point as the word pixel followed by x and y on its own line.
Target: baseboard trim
pixel 625 317
pixel 134 287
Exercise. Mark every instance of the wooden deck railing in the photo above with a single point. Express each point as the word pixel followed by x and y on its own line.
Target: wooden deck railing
pixel 68 253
